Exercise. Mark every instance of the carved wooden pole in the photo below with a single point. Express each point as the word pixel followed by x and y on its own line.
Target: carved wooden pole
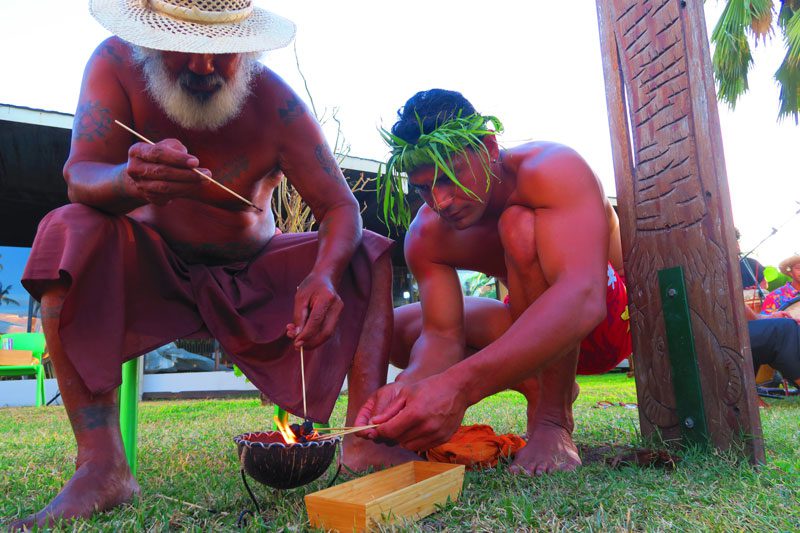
pixel 675 212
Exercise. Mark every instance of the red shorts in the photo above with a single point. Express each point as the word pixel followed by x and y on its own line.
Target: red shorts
pixel 610 342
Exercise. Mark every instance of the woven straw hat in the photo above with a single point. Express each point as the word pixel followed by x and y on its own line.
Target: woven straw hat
pixel 195 26
pixel 787 264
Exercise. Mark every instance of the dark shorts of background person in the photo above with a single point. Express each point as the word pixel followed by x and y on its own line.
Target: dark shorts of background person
pixel 776 342
pixel 129 293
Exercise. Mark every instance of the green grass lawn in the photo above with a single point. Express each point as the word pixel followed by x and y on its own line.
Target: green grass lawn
pixel 188 465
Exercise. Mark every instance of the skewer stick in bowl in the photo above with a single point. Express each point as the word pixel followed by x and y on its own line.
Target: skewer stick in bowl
pixel 344 428
pixel 196 171
pixel 346 432
pixel 303 379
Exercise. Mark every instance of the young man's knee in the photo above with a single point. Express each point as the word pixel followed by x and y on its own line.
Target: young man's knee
pixel 516 227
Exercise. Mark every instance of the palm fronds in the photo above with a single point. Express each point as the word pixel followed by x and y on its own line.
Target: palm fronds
pixel 788 74
pixel 732 58
pixel 437 148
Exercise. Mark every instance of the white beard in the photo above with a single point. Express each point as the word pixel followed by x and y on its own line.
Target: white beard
pixel 189 110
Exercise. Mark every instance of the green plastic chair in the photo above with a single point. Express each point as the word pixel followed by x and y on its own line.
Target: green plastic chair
pixel 36 344
pixel 129 411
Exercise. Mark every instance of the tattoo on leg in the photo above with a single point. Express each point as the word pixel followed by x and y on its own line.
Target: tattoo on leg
pixel 94 417
pixel 294 108
pixel 92 121
pixel 326 160
pixel 50 308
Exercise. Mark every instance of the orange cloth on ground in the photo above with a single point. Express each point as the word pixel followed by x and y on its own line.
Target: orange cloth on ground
pixel 476 447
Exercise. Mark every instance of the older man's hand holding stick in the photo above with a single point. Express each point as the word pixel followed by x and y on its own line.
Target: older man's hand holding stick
pixel 195 170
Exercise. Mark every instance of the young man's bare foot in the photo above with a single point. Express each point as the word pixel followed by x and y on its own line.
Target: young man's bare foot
pixel 360 454
pixel 550 449
pixel 96 486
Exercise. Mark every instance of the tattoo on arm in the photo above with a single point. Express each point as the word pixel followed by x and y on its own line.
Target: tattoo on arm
pixel 92 121
pixel 294 108
pixel 326 160
pixel 119 184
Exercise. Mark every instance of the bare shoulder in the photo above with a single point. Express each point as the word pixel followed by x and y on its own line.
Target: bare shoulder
pixel 548 172
pixel 277 99
pixel 427 237
pixel 114 51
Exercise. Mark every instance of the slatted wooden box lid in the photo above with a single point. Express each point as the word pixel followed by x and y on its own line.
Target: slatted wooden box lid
pixel 406 492
pixel 17 358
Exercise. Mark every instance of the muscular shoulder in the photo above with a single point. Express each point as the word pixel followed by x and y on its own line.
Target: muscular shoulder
pixel 427 238
pixel 548 172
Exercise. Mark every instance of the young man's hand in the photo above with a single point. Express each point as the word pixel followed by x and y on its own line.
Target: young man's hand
pixel 418 416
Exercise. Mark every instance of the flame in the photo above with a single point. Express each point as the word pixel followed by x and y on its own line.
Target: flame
pixel 286 431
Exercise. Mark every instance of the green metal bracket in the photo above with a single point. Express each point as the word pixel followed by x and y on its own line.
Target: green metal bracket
pixel 682 356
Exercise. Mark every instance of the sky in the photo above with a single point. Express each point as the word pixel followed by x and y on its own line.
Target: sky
pixel 535 65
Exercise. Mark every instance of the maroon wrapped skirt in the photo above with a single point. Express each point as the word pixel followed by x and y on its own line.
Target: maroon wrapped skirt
pixel 129 293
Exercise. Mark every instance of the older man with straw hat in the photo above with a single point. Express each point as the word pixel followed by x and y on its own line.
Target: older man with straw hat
pixel 174 237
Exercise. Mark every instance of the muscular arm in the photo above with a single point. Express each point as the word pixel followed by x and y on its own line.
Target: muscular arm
pixel 309 165
pixel 95 170
pixel 571 238
pixel 441 343
pixel 311 168
pixel 107 167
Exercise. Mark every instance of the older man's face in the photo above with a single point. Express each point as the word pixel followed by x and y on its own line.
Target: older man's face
pixel 198 91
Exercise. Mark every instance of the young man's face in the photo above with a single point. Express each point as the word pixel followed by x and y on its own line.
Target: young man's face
pixel 455 206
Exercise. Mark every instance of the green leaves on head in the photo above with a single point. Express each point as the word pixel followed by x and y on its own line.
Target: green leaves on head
pixel 438 148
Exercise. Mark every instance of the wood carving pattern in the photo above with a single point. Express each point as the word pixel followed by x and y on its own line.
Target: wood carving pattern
pixel 674 212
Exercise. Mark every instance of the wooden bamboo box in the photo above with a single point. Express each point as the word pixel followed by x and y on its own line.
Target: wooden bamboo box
pixel 406 492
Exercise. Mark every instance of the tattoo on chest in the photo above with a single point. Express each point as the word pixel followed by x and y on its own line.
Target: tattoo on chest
pixel 92 121
pixel 326 160
pixel 294 108
pixel 232 170
pixel 109 52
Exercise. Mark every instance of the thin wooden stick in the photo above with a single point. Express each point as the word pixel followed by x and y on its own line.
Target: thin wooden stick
pixel 344 428
pixel 196 171
pixel 303 378
pixel 347 432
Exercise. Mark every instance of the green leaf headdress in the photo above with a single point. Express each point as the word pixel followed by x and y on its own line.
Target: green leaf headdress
pixel 438 148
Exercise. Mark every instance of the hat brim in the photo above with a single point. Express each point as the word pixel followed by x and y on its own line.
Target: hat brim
pixel 128 19
pixel 787 264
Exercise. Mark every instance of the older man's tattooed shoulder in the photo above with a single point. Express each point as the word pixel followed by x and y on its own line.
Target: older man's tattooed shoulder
pixel 111 52
pixel 292 110
pixel 92 121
